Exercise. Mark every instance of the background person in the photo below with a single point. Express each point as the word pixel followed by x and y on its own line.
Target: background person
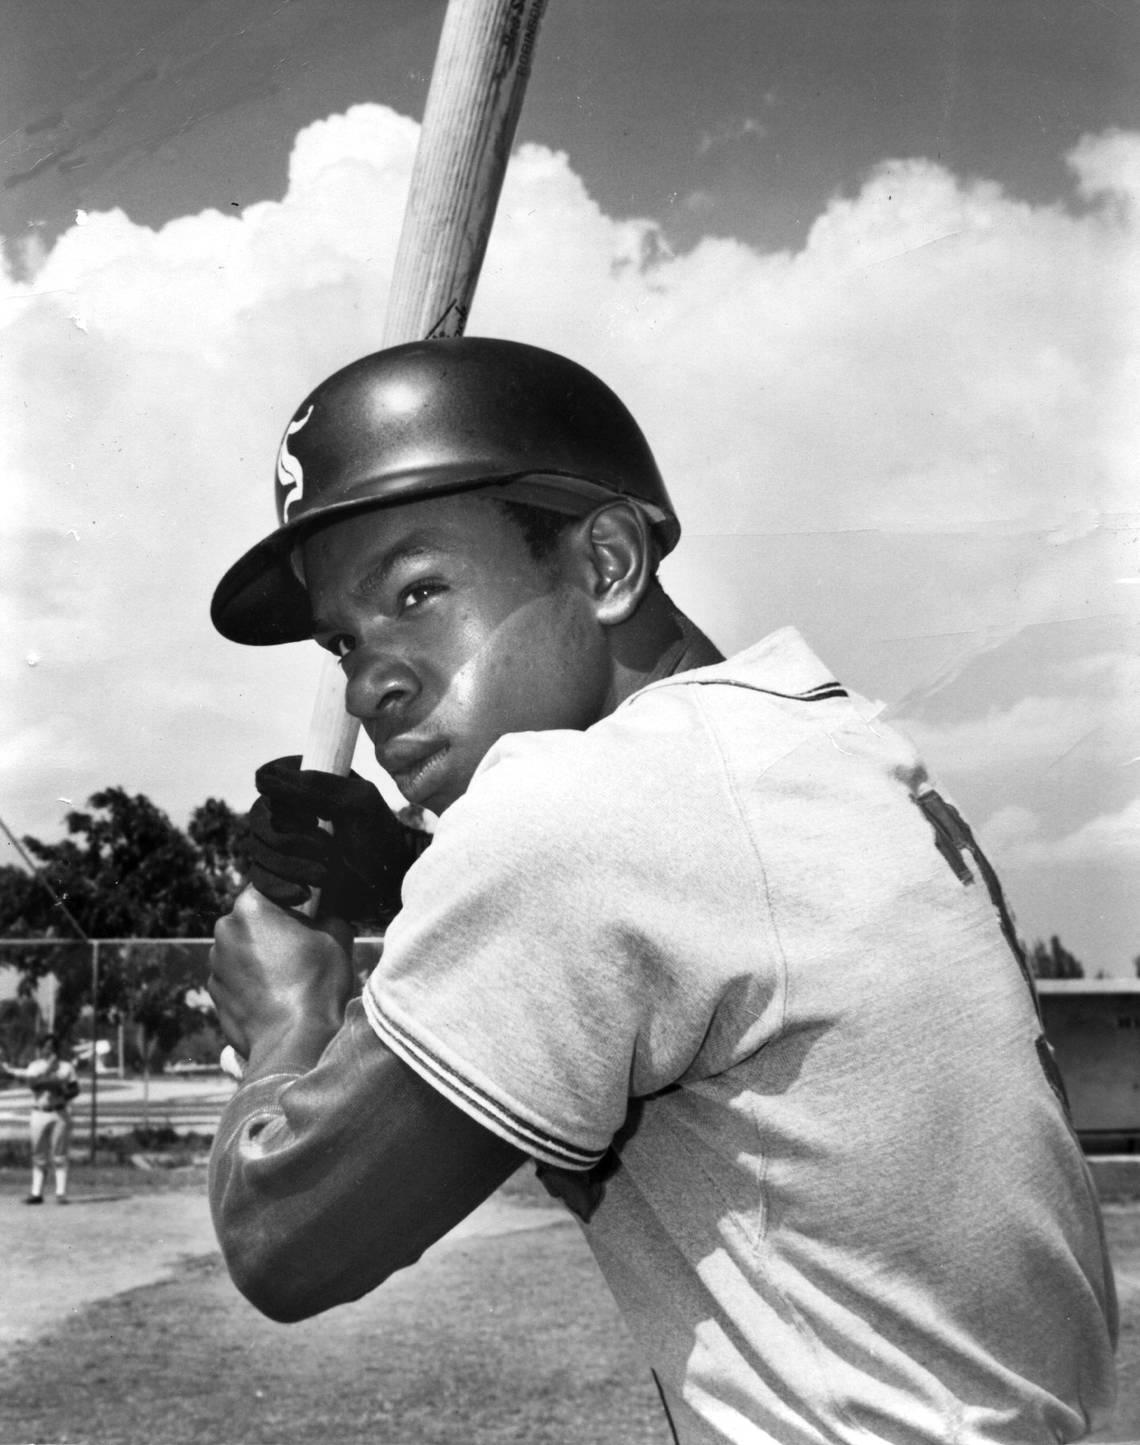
pixel 54 1083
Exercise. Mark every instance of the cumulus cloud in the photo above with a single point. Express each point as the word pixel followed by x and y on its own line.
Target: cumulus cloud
pixel 1069 749
pixel 1113 839
pixel 1101 720
pixel 939 360
pixel 1036 731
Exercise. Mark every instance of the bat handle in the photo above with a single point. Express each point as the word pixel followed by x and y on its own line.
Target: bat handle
pixel 331 739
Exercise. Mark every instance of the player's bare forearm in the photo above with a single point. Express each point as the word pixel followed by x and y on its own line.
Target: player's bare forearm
pixel 325 1180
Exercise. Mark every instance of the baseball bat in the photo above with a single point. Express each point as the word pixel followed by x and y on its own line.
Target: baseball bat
pixel 481 68
pixel 477 86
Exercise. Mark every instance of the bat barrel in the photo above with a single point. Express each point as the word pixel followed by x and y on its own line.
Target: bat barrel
pixel 473 105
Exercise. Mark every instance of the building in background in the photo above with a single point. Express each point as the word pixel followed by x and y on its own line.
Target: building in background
pixel 1094 1027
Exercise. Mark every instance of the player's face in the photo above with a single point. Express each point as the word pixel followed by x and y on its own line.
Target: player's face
pixel 451 634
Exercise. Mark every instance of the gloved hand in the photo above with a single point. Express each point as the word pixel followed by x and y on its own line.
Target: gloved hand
pixel 358 867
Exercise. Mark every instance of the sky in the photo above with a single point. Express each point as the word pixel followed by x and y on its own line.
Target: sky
pixel 865 271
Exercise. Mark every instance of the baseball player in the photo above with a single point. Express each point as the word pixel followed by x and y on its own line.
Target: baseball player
pixel 698 936
pixel 54 1083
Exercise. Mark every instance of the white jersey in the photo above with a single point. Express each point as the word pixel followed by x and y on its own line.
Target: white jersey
pixel 728 960
pixel 53 1082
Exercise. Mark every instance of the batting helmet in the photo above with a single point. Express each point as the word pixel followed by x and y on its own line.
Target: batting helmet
pixel 428 419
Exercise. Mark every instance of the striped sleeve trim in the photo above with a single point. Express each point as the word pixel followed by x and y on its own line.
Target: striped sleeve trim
pixel 819 693
pixel 547 1148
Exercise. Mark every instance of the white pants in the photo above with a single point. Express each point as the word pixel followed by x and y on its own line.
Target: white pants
pixel 51 1135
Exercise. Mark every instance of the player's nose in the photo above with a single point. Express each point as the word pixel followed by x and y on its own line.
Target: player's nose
pixel 381 688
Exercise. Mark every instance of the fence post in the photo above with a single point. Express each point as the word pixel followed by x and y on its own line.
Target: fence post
pixel 94 1044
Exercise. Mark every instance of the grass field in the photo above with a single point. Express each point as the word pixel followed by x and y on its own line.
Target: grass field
pixel 508 1340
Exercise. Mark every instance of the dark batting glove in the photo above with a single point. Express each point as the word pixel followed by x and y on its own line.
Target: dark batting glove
pixel 358 866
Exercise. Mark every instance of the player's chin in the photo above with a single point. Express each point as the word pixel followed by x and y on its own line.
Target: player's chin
pixel 443 790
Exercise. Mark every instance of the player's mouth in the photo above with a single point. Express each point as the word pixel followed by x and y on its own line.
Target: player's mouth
pixel 415 771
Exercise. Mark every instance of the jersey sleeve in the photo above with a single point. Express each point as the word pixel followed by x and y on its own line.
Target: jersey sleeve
pixel 552 960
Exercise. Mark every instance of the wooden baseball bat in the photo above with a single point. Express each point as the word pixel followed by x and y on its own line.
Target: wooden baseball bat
pixel 477 86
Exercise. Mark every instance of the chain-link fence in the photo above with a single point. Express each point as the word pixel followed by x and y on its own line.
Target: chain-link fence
pixel 128 1011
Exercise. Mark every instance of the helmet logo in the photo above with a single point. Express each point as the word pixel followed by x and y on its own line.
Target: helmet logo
pixel 290 477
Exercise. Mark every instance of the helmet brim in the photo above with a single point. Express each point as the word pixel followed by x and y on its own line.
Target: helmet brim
pixel 262 602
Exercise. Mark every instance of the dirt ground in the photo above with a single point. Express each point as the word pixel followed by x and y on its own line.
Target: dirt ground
pixel 116 1308
pixel 121 1231
pixel 501 1335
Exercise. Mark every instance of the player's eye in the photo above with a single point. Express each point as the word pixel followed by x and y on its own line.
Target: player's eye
pixel 417 594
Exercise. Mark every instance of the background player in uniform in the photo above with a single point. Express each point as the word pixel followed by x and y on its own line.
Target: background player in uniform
pixel 54 1084
pixel 699 936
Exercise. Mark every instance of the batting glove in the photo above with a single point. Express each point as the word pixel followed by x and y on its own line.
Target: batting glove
pixel 358 867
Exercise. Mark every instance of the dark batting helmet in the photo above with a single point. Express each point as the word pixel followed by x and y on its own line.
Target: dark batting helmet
pixel 425 420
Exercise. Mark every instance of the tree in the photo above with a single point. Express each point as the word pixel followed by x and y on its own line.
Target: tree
pixel 126 871
pixel 1053 960
pixel 19 1028
pixel 131 874
pixel 222 839
pixel 152 988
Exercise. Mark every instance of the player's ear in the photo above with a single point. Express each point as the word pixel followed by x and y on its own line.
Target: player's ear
pixel 617 550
